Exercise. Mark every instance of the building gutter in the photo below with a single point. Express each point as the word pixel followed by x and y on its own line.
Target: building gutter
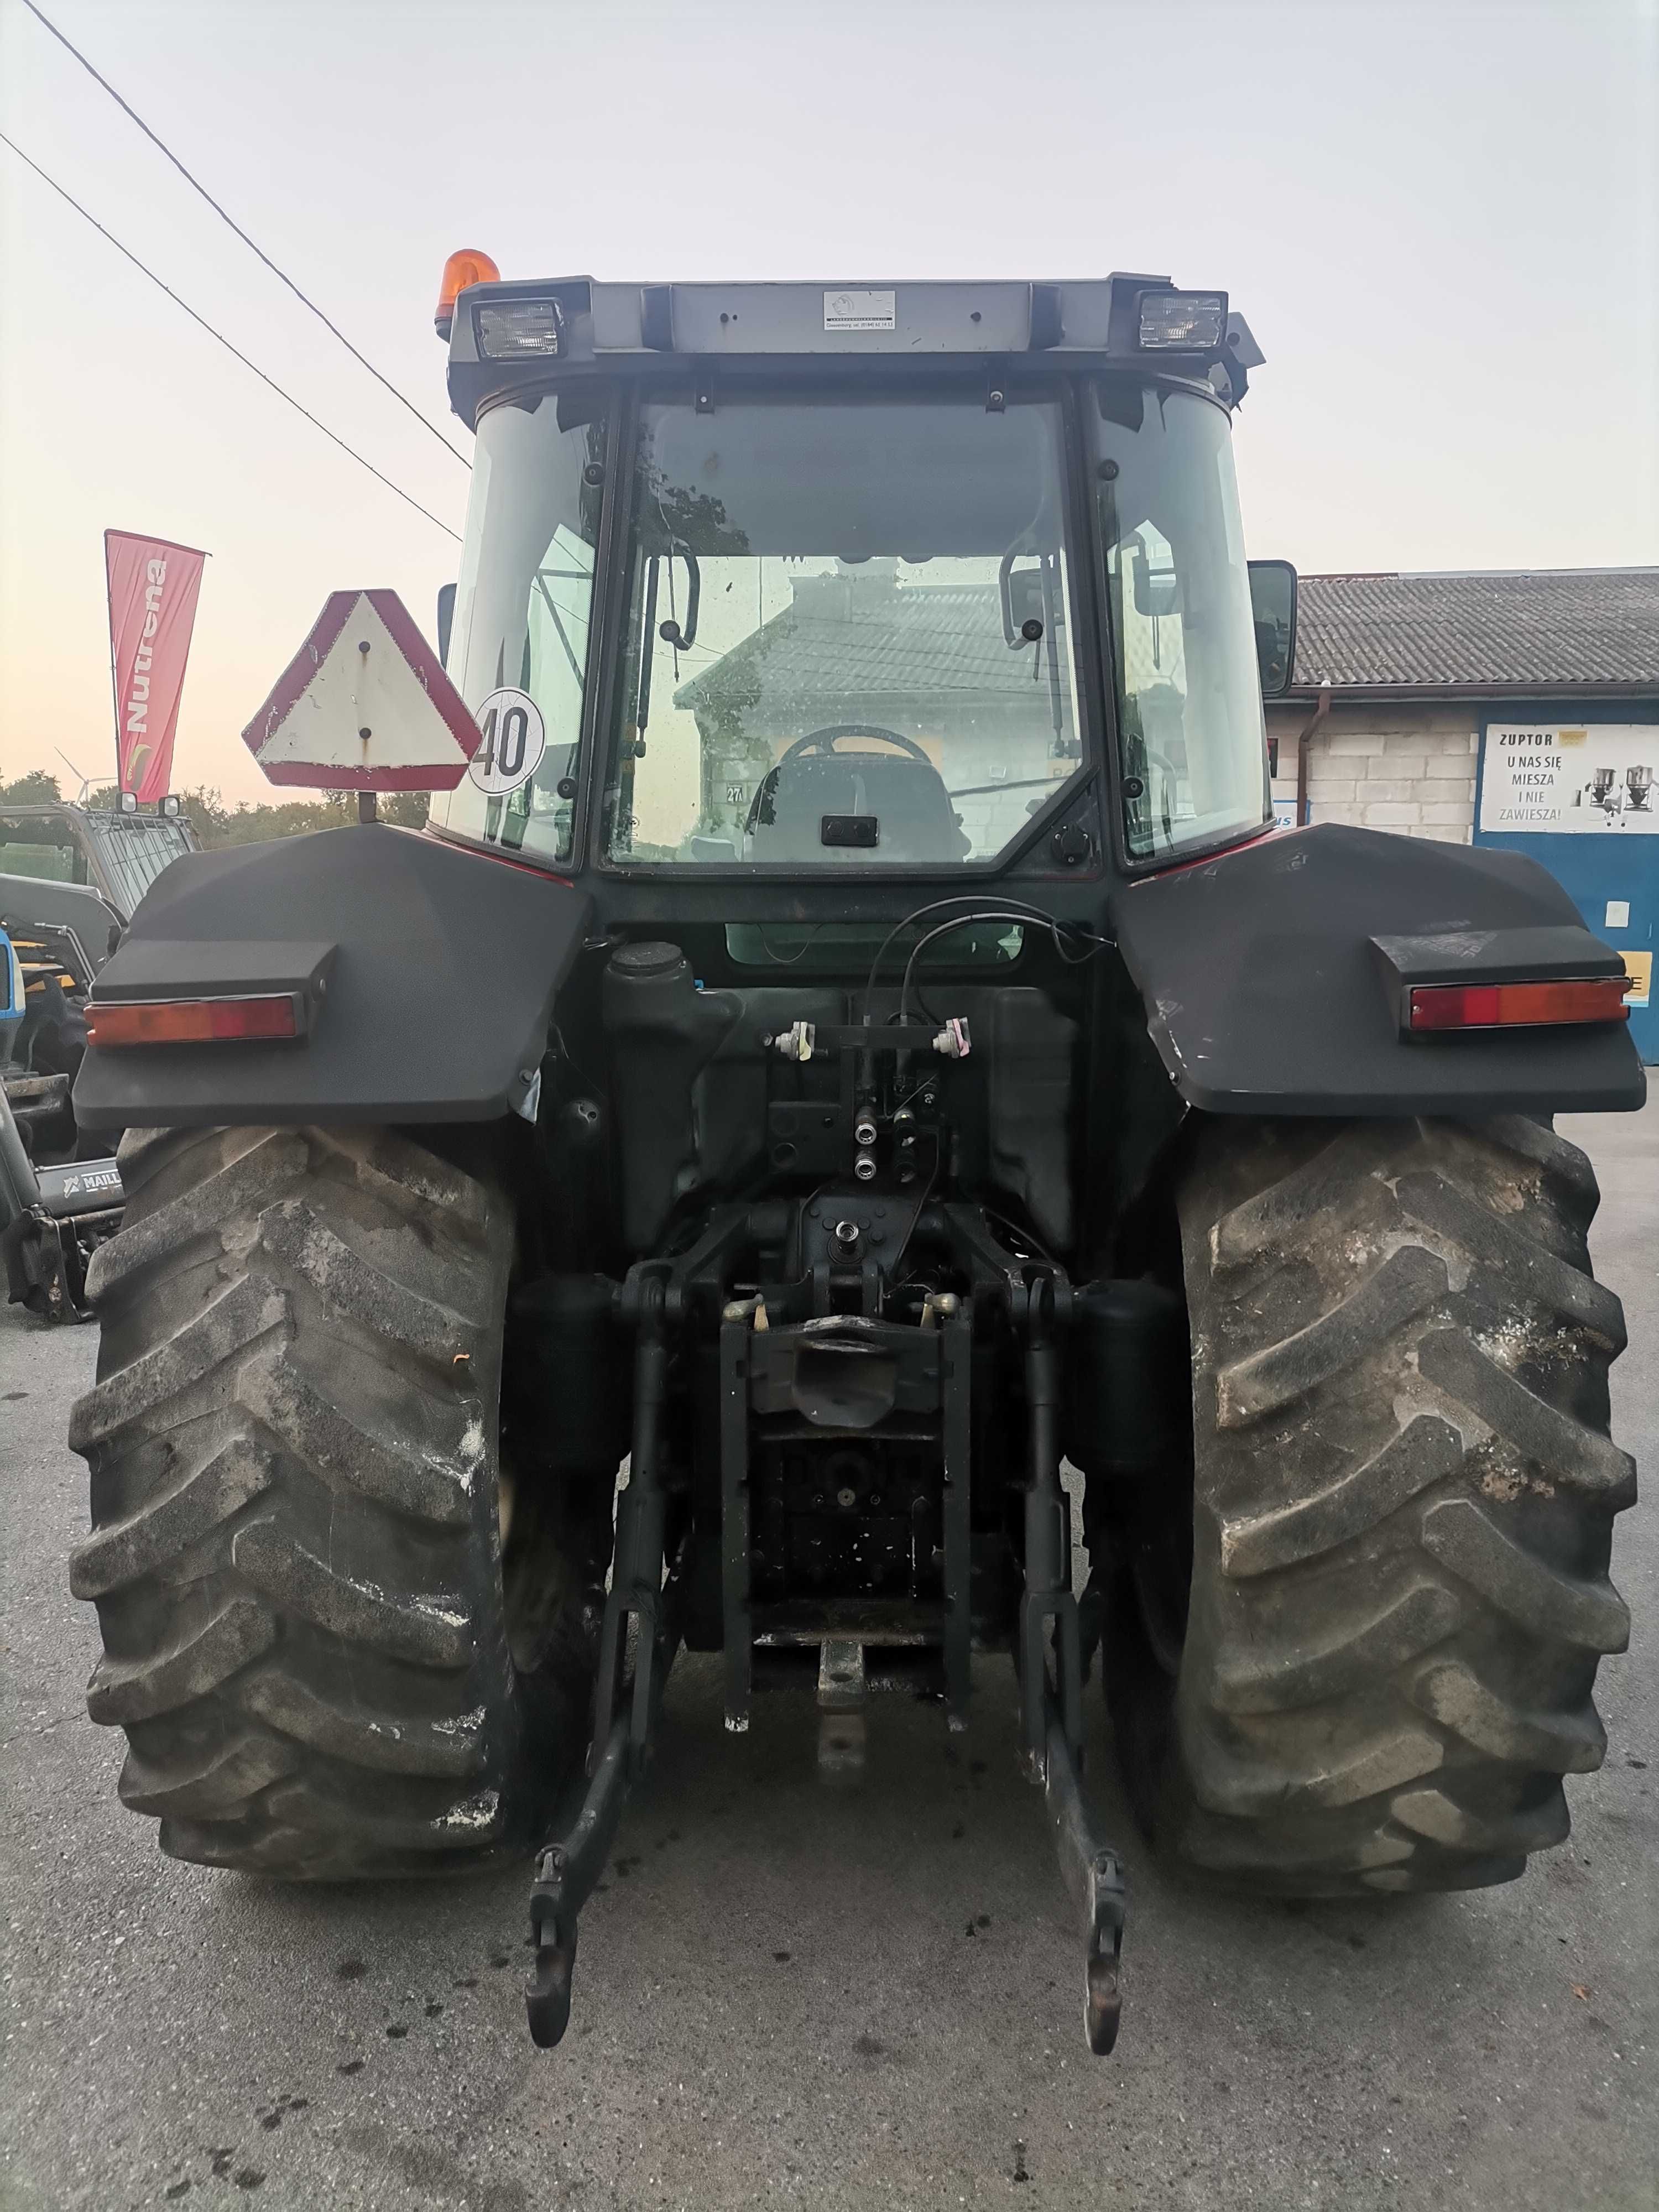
pixel 1304 739
pixel 1372 694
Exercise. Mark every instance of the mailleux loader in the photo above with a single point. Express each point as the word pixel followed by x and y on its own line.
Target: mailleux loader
pixel 850 1041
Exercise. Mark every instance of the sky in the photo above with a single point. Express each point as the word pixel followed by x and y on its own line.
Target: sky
pixel 1441 221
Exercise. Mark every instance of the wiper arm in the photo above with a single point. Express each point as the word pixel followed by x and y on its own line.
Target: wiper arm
pixel 647 645
pixel 670 633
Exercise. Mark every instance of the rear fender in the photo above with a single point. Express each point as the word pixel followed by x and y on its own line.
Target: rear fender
pixel 1265 992
pixel 440 966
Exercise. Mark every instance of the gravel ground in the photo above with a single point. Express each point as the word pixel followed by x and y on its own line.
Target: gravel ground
pixel 859 1994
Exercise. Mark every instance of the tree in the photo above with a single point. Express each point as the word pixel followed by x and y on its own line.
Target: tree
pixel 37 788
pixel 216 823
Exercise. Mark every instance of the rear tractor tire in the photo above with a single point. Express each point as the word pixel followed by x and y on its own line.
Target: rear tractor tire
pixel 1361 1659
pixel 322 1670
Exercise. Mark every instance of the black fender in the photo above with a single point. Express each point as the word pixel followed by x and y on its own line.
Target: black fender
pixel 438 964
pixel 1266 991
pixel 79 911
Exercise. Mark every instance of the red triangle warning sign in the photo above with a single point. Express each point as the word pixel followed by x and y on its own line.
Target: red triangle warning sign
pixel 364 705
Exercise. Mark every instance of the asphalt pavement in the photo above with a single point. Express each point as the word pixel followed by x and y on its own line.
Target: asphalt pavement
pixel 839 1994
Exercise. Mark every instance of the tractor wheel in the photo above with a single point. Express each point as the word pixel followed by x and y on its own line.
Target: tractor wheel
pixel 309 1635
pixel 1358 1657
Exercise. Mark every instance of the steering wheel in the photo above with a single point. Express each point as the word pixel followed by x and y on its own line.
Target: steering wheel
pixel 823 741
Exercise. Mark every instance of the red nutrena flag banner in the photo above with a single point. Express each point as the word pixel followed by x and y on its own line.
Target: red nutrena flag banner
pixel 152 587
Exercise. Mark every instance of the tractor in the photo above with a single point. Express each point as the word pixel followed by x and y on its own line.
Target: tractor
pixel 851 1140
pixel 70 876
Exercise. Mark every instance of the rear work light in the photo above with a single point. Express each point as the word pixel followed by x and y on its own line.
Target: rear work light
pixel 1437 1006
pixel 1183 322
pixel 510 330
pixel 194 1021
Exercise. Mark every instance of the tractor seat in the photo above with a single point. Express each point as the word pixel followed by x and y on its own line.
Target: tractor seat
pixel 906 795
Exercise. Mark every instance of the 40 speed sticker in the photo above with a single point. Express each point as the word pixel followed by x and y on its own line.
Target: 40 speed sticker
pixel 514 738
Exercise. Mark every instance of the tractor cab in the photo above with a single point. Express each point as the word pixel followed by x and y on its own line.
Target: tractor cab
pixel 70 879
pixel 117 853
pixel 786 589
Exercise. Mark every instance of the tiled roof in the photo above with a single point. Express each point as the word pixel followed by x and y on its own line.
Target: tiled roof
pixel 870 642
pixel 1549 629
pixel 1546 630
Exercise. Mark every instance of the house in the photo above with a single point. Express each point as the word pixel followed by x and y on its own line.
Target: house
pixel 1398 678
pixel 859 647
pixel 1517 708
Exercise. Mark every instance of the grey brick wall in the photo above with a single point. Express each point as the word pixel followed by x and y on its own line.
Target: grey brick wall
pixel 1401 767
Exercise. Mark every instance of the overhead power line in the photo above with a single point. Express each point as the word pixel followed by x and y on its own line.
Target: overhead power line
pixel 332 436
pixel 196 183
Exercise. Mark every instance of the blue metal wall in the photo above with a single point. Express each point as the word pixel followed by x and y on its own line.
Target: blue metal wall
pixel 1601 872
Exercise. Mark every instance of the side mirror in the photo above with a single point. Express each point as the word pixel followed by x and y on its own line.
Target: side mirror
pixel 1156 591
pixel 446 620
pixel 1025 602
pixel 1273 610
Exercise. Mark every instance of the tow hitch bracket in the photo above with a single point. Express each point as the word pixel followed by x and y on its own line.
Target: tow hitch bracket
pixel 1093 1875
pixel 1051 1708
pixel 568 1867
pixel 640 1611
pixel 565 1875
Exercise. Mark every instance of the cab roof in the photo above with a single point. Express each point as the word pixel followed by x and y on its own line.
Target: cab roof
pixel 502 332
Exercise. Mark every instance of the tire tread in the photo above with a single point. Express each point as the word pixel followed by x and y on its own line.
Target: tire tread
pixel 1404 1497
pixel 293 1549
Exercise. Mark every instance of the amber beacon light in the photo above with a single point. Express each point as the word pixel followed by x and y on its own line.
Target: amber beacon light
pixel 469 266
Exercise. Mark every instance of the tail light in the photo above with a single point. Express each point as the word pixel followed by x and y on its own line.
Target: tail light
pixel 194 1021
pixel 1440 1006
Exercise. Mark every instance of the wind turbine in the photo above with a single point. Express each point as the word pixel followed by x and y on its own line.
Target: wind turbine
pixel 85 780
